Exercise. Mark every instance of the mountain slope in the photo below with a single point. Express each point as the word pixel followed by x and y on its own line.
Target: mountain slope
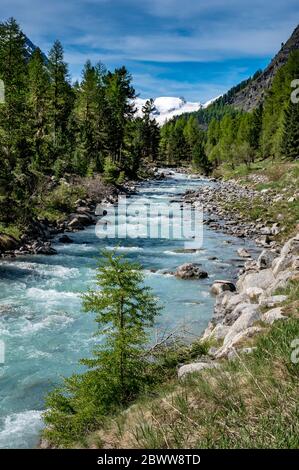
pixel 253 93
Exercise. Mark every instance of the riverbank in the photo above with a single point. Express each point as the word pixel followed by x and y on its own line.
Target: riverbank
pixel 241 389
pixel 63 213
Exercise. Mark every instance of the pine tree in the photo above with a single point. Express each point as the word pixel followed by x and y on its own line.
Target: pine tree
pixel 290 141
pixel 61 102
pixel 13 120
pixel 151 132
pixel 38 102
pixel 124 310
pixel 119 95
pixel 89 114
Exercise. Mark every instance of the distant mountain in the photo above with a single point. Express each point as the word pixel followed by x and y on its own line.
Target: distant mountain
pixel 251 94
pixel 30 48
pixel 167 107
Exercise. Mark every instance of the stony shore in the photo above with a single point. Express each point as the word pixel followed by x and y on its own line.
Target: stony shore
pixel 245 309
pixel 218 199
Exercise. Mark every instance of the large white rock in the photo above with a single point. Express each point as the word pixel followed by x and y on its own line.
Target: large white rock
pixel 281 281
pixel 282 263
pixel 265 259
pixel 273 301
pixel 254 293
pixel 235 300
pixel 249 315
pixel 195 367
pixel 262 279
pixel 291 246
pixel 227 348
pixel 219 332
pixel 273 315
pixel 221 286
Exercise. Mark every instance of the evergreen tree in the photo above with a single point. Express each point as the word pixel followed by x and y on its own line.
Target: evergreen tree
pixel 124 309
pixel 151 132
pixel 119 95
pixel 61 102
pixel 89 114
pixel 14 154
pixel 38 103
pixel 290 141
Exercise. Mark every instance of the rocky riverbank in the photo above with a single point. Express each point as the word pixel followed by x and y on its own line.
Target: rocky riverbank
pixel 218 199
pixel 37 238
pixel 247 308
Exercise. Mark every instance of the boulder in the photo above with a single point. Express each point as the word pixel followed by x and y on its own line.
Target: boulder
pixel 273 301
pixel 295 264
pixel 65 239
pixel 282 263
pixel 249 314
pixel 195 367
pixel 291 247
pixel 7 243
pixel 245 334
pixel 234 300
pixel 83 210
pixel 281 281
pixel 46 250
pixel 254 293
pixel 190 271
pixel 265 259
pixel 75 224
pixel 262 279
pixel 220 331
pixel 221 286
pixel 273 315
pixel 243 253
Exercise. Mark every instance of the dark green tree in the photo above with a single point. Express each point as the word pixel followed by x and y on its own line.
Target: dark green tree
pixel 124 309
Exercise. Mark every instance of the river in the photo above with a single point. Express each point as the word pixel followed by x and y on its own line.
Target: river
pixel 44 330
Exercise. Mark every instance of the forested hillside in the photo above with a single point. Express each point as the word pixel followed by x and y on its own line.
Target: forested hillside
pixel 50 127
pixel 222 133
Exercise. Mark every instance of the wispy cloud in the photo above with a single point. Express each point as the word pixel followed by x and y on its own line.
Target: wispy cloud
pixel 155 38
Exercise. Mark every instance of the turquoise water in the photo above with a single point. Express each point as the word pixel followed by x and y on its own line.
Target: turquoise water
pixel 42 325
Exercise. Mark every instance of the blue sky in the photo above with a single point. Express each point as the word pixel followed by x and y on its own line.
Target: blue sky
pixel 191 48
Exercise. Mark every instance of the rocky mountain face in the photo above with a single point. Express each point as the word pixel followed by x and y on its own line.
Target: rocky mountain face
pixel 30 48
pixel 253 94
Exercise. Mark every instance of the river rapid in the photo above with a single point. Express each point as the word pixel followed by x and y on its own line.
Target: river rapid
pixel 44 329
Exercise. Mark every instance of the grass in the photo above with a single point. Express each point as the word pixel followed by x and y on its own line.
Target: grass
pixel 251 402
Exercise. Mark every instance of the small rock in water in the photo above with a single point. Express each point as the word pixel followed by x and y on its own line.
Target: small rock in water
pixel 221 286
pixel 190 271
pixel 65 239
pixel 243 253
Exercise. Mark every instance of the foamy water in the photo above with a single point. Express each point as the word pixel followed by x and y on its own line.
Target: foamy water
pixel 42 324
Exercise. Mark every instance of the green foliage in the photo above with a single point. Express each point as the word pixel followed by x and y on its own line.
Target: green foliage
pixel 277 110
pixel 50 127
pixel 183 142
pixel 118 371
pixel 111 171
pixel 63 198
